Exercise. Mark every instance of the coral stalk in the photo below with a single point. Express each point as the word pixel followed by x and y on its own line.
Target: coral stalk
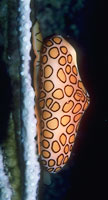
pixel 28 129
pixel 5 189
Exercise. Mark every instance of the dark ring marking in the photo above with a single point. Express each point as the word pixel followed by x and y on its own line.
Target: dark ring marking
pixel 61 48
pixel 68 116
pixel 66 88
pixel 50 136
pixel 65 159
pixel 50 169
pixel 67 104
pixel 55 146
pixel 78 109
pixel 57 169
pixel 48 43
pixel 49 127
pixel 63 139
pixel 73 135
pixel 42 103
pixel 46 146
pixel 57 52
pixel 74 70
pixel 46 59
pixel 66 151
pixel 69 57
pixel 46 81
pixel 57 108
pixel 61 160
pixel 48 105
pixel 57 37
pixel 44 49
pixel 61 92
pixel 68 129
pixel 50 73
pixel 80 94
pixel 46 114
pixel 42 94
pixel 49 162
pixel 60 62
pixel 80 116
pixel 60 77
pixel 48 154
pixel 72 79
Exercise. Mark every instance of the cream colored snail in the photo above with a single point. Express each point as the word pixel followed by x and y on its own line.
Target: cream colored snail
pixel 61 98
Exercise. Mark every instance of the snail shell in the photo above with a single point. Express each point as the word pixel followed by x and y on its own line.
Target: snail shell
pixel 62 100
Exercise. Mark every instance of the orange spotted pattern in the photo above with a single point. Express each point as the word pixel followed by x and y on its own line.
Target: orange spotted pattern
pixel 62 101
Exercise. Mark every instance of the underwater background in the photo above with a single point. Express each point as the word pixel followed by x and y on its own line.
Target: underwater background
pixel 84 24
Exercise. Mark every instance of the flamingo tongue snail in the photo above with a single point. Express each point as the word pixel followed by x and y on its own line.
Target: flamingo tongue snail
pixel 61 98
